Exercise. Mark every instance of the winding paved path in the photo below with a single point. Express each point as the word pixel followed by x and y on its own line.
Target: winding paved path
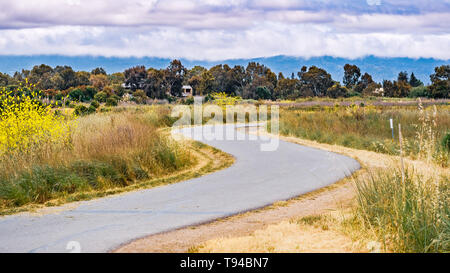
pixel 256 179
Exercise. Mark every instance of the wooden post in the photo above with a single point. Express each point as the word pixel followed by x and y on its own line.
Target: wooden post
pixel 392 128
pixel 401 152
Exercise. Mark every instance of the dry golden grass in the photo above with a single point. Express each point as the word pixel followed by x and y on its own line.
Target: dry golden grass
pixel 303 235
pixel 125 136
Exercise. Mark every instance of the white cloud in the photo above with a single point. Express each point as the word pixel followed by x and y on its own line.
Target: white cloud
pixel 374 2
pixel 263 40
pixel 219 29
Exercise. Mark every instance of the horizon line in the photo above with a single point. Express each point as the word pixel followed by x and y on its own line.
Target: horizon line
pixel 218 60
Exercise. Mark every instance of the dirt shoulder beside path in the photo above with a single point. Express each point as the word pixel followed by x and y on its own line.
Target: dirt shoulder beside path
pixel 328 199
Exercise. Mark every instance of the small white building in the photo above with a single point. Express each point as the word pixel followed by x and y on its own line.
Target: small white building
pixel 187 91
pixel 379 91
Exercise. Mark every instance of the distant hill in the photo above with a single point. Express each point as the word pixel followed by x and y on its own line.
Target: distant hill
pixel 379 68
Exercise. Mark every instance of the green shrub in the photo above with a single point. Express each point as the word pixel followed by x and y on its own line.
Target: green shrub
pixel 262 92
pixel 81 110
pixel 336 91
pixel 139 96
pixel 90 92
pixel 189 101
pixel 101 96
pixel 171 99
pixel 91 109
pixel 95 104
pixel 111 102
pixel 59 96
pixel 76 95
pixel 119 89
pixel 353 94
pixel 419 92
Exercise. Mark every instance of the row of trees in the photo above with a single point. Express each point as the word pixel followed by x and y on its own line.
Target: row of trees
pixel 63 81
pixel 62 77
pixel 255 81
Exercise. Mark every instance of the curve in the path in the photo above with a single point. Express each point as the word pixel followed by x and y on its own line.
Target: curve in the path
pixel 256 179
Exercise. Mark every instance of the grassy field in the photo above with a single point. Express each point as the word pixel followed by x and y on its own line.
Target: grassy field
pixel 379 101
pixel 97 153
pixel 424 130
pixel 407 208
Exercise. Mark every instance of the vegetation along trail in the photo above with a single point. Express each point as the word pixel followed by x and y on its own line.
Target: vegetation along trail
pixel 258 178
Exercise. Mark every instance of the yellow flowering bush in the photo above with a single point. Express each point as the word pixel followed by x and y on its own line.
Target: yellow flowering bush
pixel 222 99
pixel 26 125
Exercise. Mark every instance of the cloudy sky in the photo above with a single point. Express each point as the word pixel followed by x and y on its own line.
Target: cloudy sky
pixel 220 29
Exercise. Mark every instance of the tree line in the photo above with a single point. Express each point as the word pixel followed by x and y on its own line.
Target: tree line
pixel 255 81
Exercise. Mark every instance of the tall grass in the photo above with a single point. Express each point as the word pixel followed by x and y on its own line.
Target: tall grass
pixel 127 138
pixel 408 216
pixel 106 150
pixel 367 127
pixel 409 211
